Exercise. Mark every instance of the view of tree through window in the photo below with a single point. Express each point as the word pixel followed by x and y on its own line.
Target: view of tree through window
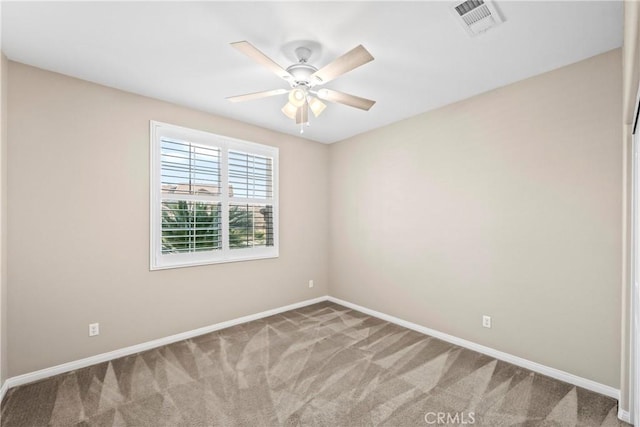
pixel 191 205
pixel 190 226
pixel 250 226
pixel 213 198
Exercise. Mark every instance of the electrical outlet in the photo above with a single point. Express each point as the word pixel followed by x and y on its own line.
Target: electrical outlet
pixel 94 329
pixel 486 321
pixel 311 283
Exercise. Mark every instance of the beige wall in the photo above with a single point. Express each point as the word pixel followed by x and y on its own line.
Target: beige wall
pixel 3 216
pixel 507 204
pixel 78 213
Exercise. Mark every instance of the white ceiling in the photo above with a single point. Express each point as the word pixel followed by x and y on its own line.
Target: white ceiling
pixel 179 51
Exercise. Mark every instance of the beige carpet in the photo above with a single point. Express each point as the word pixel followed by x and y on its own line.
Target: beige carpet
pixel 322 365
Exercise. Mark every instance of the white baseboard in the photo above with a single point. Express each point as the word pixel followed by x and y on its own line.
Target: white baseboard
pixel 515 360
pixel 105 357
pixel 624 416
pixel 3 390
pixel 518 361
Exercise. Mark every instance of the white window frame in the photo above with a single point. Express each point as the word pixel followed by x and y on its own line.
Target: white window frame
pixel 158 260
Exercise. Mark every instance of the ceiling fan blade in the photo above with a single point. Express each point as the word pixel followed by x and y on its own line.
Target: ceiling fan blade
pixel 252 52
pixel 257 95
pixel 353 59
pixel 346 99
pixel 302 115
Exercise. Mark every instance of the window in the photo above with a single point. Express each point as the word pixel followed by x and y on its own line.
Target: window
pixel 213 199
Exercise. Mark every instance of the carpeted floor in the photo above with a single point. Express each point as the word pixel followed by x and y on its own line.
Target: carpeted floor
pixel 322 365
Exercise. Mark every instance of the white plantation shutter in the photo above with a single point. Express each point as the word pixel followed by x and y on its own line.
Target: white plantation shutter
pixel 190 191
pixel 250 176
pixel 190 226
pixel 213 199
pixel 189 168
pixel 251 200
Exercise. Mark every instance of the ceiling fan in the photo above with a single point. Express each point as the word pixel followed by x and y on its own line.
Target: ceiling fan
pixel 304 78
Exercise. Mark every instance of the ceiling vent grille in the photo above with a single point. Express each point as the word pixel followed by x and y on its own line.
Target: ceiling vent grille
pixel 477 16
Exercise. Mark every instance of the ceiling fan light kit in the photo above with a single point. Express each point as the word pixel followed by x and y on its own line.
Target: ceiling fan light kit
pixel 303 77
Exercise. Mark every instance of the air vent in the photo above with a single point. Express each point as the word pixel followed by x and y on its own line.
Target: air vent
pixel 477 16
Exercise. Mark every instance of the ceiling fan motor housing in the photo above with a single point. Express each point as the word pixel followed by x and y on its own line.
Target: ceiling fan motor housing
pixel 301 73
